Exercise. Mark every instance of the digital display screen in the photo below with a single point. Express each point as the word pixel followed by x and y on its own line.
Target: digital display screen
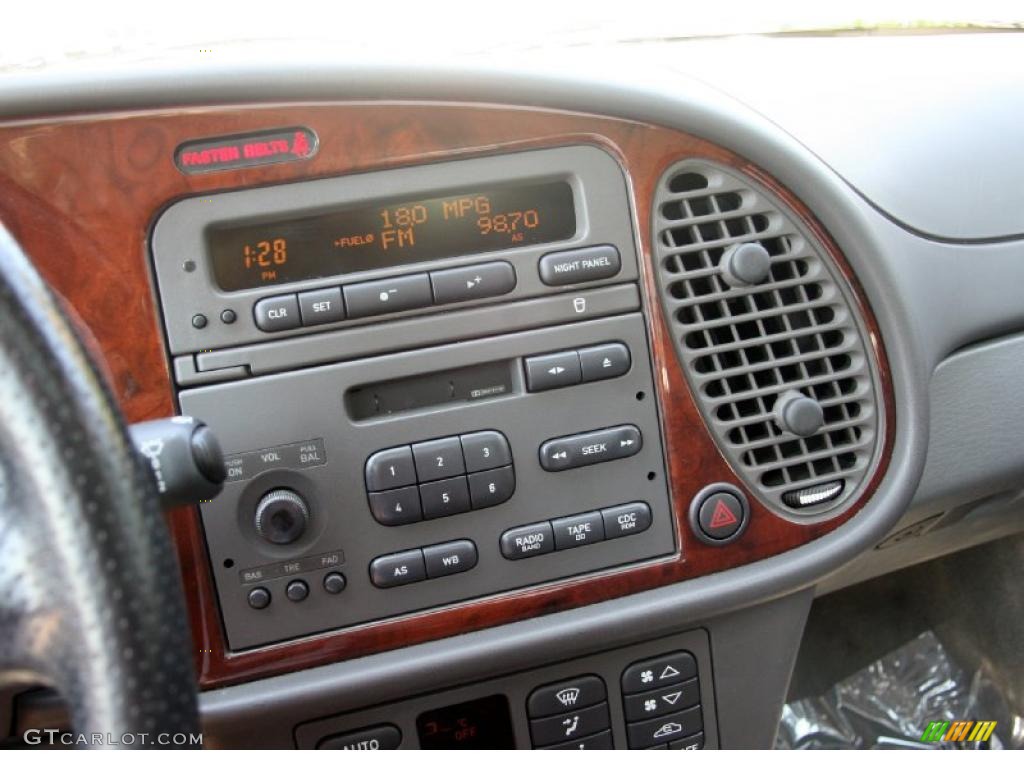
pixel 480 724
pixel 357 239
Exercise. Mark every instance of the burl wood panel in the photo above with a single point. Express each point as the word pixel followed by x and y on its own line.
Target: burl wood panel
pixel 81 193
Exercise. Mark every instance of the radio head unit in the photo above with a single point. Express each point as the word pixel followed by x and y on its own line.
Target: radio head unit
pixel 313 256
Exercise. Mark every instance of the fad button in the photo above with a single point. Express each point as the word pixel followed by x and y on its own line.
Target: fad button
pixel 719 514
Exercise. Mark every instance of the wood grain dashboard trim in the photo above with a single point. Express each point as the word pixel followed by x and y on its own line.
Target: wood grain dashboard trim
pixel 80 195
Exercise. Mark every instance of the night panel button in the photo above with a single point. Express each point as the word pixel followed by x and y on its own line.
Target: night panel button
pixel 580 266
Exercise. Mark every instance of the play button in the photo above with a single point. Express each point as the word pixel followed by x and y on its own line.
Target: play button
pixel 719 514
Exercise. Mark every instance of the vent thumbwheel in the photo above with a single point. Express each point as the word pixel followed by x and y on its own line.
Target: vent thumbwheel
pixel 766 333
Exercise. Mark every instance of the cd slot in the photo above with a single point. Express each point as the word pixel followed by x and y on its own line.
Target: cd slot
pixel 455 386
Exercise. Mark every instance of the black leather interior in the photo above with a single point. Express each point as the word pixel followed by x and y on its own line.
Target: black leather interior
pixel 90 597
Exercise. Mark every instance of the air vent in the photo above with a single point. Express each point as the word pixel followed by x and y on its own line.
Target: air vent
pixel 761 318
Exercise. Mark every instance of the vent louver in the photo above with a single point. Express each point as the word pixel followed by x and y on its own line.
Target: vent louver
pixel 744 345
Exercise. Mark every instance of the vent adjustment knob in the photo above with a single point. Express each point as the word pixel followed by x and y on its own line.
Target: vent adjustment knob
pixel 799 414
pixel 745 264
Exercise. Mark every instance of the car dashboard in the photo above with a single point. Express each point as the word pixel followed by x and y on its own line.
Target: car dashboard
pixel 548 402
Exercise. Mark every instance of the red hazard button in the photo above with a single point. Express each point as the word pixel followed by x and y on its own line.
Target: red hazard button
pixel 720 515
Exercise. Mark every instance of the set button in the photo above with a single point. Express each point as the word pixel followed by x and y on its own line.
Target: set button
pixel 322 306
pixel 580 366
pixel 438 478
pixel 431 562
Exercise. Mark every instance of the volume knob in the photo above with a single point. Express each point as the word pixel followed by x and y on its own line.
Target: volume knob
pixel 281 517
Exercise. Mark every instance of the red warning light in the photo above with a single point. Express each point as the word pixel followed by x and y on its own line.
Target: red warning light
pixel 722 516
pixel 232 152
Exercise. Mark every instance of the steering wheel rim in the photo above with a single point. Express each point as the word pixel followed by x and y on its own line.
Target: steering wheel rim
pixel 90 594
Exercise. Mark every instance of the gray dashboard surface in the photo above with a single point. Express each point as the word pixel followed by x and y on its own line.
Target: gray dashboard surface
pixel 926 127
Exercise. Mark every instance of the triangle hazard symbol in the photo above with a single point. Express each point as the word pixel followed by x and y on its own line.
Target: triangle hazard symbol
pixel 722 516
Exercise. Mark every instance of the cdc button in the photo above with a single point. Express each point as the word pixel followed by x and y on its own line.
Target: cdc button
pixel 626 519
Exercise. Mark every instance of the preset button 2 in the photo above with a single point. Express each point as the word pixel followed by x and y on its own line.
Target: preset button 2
pixel 437 459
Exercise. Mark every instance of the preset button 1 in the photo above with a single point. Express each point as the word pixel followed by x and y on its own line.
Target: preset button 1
pixel 388 469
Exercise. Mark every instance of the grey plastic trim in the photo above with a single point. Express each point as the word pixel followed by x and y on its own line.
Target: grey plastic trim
pixel 756 644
